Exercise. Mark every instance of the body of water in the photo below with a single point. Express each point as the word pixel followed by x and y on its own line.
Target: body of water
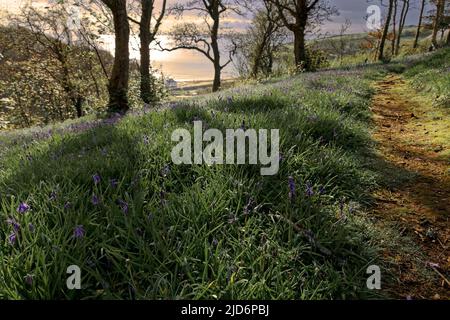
pixel 181 65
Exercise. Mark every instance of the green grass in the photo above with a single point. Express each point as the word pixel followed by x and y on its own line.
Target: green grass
pixel 196 231
pixel 431 77
pixel 199 232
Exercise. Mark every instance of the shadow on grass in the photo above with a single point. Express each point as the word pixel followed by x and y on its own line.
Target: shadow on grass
pixel 56 179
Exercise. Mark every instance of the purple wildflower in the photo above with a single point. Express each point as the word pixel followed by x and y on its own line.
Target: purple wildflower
pixel 291 183
pixel 309 189
pixel 12 238
pixel 123 206
pixel 215 242
pixel 113 183
pixel 162 196
pixel 14 224
pixel 67 205
pixel 79 232
pixel 146 140
pixel 52 196
pixel 322 190
pixel 31 227
pixel 29 279
pixel 165 171
pixel 95 200
pixel 23 207
pixel 96 178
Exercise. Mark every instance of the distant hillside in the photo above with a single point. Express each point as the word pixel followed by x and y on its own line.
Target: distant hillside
pixel 355 42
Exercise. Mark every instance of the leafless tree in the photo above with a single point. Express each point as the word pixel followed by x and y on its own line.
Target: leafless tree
pixel 403 16
pixel 419 25
pixel 440 8
pixel 297 16
pixel 394 27
pixel 385 30
pixel 203 38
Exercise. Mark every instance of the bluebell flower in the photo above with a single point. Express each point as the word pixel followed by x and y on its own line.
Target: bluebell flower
pixel 165 171
pixel 123 206
pixel 14 224
pixel 79 232
pixel 95 200
pixel 291 184
pixel 96 178
pixel 52 196
pixel 29 279
pixel 322 190
pixel 309 189
pixel 114 183
pixel 12 238
pixel 23 207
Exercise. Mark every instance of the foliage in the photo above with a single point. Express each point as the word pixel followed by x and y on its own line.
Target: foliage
pixel 42 77
pixel 103 194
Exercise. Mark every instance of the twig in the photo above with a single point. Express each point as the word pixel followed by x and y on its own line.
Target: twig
pixel 442 276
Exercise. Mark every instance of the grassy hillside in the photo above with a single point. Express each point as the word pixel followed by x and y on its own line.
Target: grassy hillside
pixel 104 195
pixel 431 77
pixel 148 229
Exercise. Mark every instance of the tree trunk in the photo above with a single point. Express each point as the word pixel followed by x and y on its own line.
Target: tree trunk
pixel 118 83
pixel 385 31
pixel 258 58
pixel 416 40
pixel 79 106
pixel 437 20
pixel 394 27
pixel 147 93
pixel 217 75
pixel 68 87
pixel 448 37
pixel 403 16
pixel 215 48
pixel 300 49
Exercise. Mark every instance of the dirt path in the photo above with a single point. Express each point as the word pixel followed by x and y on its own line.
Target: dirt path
pixel 420 205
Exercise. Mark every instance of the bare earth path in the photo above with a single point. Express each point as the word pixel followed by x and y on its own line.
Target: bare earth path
pixel 408 141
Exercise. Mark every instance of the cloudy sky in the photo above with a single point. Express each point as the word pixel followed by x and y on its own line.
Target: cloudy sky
pixel 355 10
